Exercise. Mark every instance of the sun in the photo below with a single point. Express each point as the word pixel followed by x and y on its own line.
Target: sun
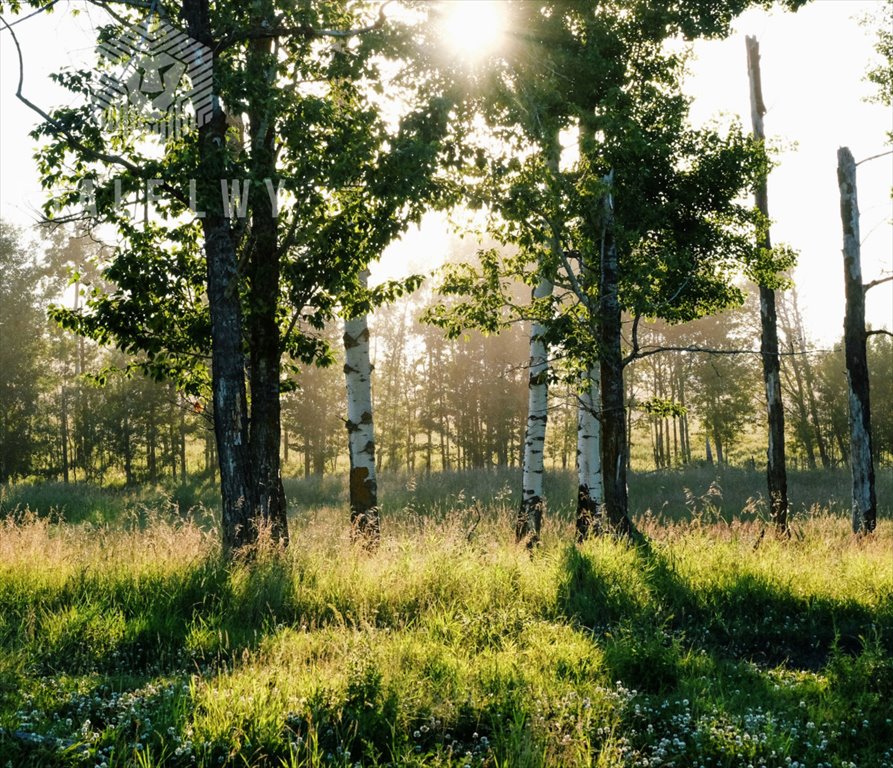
pixel 473 29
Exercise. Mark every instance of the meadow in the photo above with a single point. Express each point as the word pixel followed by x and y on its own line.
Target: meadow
pixel 125 639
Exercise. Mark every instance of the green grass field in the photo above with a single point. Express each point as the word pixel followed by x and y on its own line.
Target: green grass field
pixel 126 641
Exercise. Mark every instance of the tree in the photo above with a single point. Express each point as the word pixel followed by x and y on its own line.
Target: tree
pixel 776 470
pixel 21 352
pixel 864 509
pixel 364 514
pixel 647 221
pixel 802 381
pixel 289 112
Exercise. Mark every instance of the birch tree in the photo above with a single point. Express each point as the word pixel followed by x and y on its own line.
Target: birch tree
pixel 530 515
pixel 292 119
pixel 365 519
pixel 662 243
pixel 590 493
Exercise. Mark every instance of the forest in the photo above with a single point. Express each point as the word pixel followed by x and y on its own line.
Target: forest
pixel 75 411
pixel 586 489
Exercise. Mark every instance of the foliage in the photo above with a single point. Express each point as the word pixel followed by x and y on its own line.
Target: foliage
pixel 350 182
pixel 881 75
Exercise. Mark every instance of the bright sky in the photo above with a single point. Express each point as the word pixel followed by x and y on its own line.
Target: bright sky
pixel 813 67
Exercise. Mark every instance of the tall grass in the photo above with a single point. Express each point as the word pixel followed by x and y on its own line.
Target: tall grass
pixel 136 645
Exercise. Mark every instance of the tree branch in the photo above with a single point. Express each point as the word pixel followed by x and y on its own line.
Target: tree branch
pixel 72 140
pixel 879 331
pixel 874 283
pixel 302 30
pixel 649 351
pixel 634 353
pixel 35 13
pixel 875 157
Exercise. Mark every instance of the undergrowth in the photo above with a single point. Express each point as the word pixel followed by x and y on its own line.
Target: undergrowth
pixel 131 643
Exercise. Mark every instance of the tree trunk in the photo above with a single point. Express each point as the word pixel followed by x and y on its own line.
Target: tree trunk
pixel 228 385
pixel 269 503
pixel 227 360
pixel 151 445
pixel 590 493
pixel 861 461
pixel 720 453
pixel 364 512
pixel 530 513
pixel 181 442
pixel 129 478
pixel 613 413
pixel 804 427
pixel 776 472
pixel 64 436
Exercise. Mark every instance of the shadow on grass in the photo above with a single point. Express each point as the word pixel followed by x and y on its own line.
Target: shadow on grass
pixel 746 617
pixel 655 633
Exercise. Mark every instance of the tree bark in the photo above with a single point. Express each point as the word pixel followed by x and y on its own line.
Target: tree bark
pixel 613 413
pixel 228 381
pixel 590 495
pixel 530 513
pixel 864 495
pixel 265 426
pixel 776 472
pixel 365 518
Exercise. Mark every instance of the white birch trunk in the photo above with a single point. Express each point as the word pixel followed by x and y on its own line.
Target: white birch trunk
pixel 589 464
pixel 530 514
pixel 364 512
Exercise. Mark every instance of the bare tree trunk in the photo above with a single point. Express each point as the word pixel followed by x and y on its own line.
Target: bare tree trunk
pixel 861 461
pixel 613 411
pixel 590 494
pixel 530 514
pixel 776 472
pixel 364 512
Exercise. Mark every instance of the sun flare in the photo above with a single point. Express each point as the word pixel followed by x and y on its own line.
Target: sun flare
pixel 473 28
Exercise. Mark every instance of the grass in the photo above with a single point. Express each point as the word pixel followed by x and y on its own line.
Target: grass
pixel 126 641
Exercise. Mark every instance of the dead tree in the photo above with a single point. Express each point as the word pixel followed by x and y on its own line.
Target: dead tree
pixel 864 497
pixel 776 471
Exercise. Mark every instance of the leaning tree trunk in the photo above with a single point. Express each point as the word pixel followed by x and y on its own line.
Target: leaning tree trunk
pixel 590 494
pixel 269 509
pixel 864 495
pixel 365 519
pixel 613 410
pixel 776 471
pixel 530 513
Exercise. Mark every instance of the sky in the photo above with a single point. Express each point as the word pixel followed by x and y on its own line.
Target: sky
pixel 813 66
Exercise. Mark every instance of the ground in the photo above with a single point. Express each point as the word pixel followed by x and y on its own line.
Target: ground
pixel 125 640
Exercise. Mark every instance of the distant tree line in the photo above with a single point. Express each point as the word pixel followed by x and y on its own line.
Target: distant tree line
pixel 74 412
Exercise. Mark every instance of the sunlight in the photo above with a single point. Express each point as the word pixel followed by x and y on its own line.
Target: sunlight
pixel 473 28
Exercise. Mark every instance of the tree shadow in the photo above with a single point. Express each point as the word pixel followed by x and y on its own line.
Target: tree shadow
pixel 747 617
